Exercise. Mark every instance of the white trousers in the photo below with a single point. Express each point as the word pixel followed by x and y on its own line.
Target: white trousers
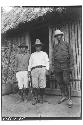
pixel 39 77
pixel 22 78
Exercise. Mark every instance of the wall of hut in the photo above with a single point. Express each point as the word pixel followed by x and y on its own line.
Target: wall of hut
pixel 72 34
pixel 8 54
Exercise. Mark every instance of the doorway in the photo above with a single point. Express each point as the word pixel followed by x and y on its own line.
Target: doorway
pixel 43 35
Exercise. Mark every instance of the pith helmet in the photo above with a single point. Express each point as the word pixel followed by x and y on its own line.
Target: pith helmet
pixel 38 42
pixel 58 32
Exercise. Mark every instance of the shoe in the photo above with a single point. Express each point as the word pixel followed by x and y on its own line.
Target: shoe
pixel 19 101
pixel 41 99
pixel 38 99
pixel 69 103
pixel 26 101
pixel 62 100
pixel 34 101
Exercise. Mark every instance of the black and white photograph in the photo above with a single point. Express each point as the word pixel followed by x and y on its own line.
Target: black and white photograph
pixel 41 62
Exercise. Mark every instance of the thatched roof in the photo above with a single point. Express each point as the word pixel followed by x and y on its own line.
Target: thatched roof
pixel 19 15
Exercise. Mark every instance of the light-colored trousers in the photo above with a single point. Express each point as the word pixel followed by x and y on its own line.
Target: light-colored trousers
pixel 38 77
pixel 22 78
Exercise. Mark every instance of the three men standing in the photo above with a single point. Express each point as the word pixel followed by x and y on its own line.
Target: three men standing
pixel 39 65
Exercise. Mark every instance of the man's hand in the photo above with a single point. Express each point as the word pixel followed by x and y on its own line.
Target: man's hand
pixel 29 78
pixel 71 70
pixel 47 72
pixel 29 73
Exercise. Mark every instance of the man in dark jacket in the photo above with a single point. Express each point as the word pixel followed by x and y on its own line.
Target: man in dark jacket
pixel 22 60
pixel 63 65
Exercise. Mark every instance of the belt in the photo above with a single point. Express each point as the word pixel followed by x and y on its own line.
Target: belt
pixel 40 66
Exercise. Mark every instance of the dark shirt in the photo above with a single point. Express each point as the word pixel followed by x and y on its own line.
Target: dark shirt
pixel 22 61
pixel 63 56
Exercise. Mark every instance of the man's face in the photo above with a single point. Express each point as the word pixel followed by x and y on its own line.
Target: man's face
pixel 38 48
pixel 23 50
pixel 59 37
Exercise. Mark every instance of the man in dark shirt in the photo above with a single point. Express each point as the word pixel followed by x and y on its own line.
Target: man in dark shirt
pixel 22 60
pixel 63 65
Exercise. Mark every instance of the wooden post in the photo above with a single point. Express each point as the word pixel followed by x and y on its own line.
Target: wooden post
pixel 50 51
pixel 28 41
pixel 50 46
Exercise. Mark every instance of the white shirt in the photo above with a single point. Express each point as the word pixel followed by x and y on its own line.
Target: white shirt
pixel 38 58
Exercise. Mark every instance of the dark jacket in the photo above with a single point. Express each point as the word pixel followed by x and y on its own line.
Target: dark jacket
pixel 63 56
pixel 22 61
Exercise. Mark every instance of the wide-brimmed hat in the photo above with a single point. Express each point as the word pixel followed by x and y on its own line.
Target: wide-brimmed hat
pixel 58 32
pixel 23 46
pixel 38 42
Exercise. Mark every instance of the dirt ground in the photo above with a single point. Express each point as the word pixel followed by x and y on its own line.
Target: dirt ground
pixel 50 108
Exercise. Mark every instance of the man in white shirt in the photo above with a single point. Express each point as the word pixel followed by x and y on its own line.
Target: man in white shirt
pixel 38 68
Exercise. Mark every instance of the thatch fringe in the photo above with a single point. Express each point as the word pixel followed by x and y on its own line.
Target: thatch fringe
pixel 21 15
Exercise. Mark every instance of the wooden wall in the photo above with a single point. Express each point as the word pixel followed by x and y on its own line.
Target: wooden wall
pixel 23 38
pixel 72 34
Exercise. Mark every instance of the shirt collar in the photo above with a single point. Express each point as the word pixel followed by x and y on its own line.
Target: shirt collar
pixel 61 41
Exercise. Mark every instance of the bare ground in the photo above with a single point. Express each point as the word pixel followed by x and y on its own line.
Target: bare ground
pixel 50 107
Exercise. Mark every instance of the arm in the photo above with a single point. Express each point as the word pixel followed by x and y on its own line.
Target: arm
pixel 71 57
pixel 53 57
pixel 16 63
pixel 29 68
pixel 53 61
pixel 30 64
pixel 47 61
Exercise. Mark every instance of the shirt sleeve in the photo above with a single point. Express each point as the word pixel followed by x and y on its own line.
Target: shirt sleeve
pixel 30 63
pixel 47 61
pixel 16 63
pixel 53 61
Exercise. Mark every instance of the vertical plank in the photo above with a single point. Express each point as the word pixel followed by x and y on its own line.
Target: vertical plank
pixel 73 47
pixel 50 51
pixel 73 31
pixel 67 34
pixel 28 41
pixel 50 47
pixel 79 41
pixel 75 36
pixel 77 58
